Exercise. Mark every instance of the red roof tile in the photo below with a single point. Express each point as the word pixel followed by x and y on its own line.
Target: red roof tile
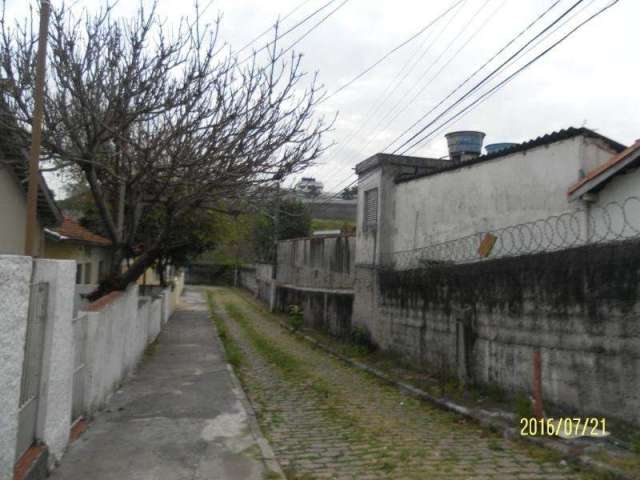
pixel 613 161
pixel 72 230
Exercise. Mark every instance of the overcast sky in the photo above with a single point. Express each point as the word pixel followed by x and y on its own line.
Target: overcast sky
pixel 590 80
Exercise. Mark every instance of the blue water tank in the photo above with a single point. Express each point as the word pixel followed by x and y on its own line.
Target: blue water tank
pixel 497 147
pixel 464 144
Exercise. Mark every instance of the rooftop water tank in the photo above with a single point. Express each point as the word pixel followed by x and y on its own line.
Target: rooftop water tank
pixel 464 144
pixel 497 147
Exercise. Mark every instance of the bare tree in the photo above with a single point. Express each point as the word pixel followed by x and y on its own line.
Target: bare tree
pixel 159 122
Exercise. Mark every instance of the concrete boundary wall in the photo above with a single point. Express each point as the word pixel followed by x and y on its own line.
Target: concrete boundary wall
pixel 54 420
pixel 15 280
pixel 482 323
pixel 119 327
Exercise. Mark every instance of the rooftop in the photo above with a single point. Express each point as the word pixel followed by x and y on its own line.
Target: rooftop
pixel 596 178
pixel 72 231
pixel 520 147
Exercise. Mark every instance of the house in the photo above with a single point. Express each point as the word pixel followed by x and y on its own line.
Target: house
pixel 406 203
pixel 13 201
pixel 71 241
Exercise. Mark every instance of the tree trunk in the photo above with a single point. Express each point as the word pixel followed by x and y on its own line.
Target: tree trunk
pixel 121 280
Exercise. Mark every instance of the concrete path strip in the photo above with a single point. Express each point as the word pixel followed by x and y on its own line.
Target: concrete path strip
pixel 183 416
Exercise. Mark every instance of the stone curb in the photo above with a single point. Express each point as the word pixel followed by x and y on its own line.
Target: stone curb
pixel 268 455
pixel 484 420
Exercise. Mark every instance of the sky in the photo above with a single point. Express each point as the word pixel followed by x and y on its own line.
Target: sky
pixel 589 80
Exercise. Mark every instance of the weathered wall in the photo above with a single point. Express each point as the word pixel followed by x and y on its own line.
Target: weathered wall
pixel 517 188
pixel 483 196
pixel 118 331
pixel 13 212
pixel 328 312
pixel 57 371
pixel 15 279
pixel 580 308
pixel 322 262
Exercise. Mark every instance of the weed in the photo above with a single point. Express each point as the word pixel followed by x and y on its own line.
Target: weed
pixel 151 348
pixel 271 475
pixel 233 353
pixel 296 317
pixel 495 444
pixel 523 405
pixel 387 466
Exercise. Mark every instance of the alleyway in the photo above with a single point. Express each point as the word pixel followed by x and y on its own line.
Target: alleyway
pixel 181 417
pixel 327 420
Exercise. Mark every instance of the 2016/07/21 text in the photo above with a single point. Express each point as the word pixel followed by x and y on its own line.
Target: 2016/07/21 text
pixel 531 427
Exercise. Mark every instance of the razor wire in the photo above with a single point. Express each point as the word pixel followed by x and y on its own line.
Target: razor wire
pixel 613 222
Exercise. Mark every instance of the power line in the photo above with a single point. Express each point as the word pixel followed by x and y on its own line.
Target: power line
pixel 521 69
pixel 389 90
pixel 376 129
pixel 292 28
pixel 251 42
pixel 487 77
pixel 320 22
pixel 398 109
pixel 478 70
pixel 507 45
pixel 391 52
pixel 538 42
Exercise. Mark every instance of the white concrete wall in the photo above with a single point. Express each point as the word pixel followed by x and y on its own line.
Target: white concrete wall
pixel 57 371
pixel 15 279
pixel 119 328
pixel 518 188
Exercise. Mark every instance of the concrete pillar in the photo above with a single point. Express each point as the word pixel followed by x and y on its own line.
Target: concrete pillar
pixel 15 279
pixel 54 414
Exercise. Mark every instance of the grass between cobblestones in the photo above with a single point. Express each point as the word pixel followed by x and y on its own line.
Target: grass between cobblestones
pixel 393 365
pixel 232 352
pixel 291 368
pixel 327 420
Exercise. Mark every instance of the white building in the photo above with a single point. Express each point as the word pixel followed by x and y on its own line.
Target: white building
pixel 405 203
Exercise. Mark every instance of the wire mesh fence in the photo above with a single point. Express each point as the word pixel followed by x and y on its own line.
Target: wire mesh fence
pixel 612 222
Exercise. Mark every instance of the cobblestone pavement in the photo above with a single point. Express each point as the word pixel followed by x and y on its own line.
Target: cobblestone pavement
pixel 325 419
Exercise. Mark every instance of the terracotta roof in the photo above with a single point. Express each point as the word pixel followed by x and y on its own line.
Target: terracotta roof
pixel 72 231
pixel 595 177
pixel 521 147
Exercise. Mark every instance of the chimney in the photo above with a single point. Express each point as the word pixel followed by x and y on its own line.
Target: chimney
pixel 464 145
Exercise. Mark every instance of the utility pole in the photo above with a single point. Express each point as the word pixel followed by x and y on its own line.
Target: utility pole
pixel 36 128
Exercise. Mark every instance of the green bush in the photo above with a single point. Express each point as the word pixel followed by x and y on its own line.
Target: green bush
pixel 361 337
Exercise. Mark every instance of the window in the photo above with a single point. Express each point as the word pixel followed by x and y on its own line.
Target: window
pixel 87 273
pixel 100 270
pixel 78 274
pixel 370 210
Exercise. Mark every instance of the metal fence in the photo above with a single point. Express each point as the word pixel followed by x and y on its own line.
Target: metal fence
pixel 79 359
pixel 32 367
pixel 612 222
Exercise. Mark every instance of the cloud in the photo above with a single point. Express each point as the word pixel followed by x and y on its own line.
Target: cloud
pixel 590 79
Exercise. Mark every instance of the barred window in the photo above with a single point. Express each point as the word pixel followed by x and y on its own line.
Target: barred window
pixel 370 209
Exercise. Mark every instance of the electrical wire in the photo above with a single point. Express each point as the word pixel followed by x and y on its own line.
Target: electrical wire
pixel 391 89
pixel 478 70
pixel 292 28
pixel 391 52
pixel 518 71
pixel 270 29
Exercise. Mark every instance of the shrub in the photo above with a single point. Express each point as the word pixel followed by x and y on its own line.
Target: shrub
pixel 296 317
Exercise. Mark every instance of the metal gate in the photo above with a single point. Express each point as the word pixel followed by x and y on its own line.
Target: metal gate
pixel 79 346
pixel 32 367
